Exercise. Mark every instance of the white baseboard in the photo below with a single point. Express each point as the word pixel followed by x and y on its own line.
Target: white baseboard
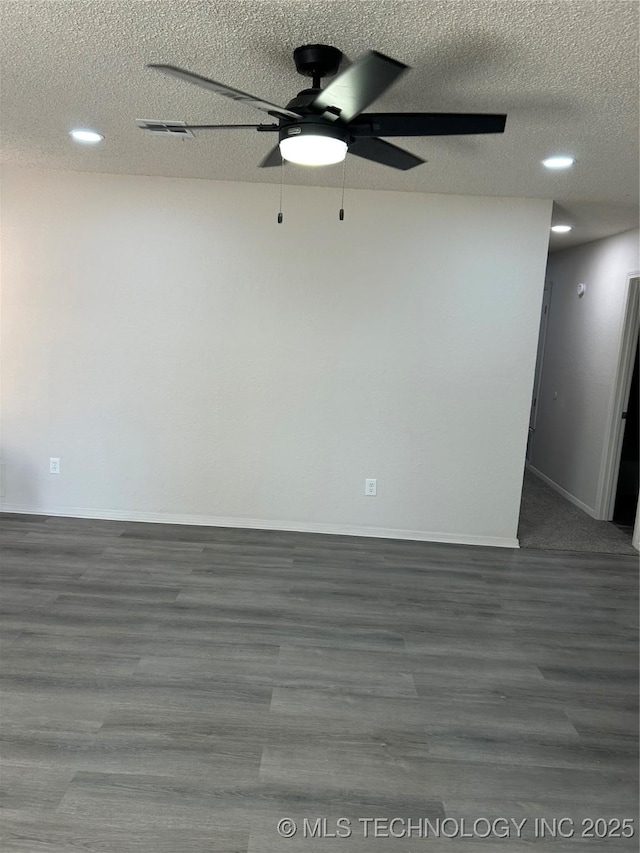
pixel 264 524
pixel 565 494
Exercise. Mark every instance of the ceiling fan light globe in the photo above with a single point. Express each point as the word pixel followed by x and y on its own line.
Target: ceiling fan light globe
pixel 312 150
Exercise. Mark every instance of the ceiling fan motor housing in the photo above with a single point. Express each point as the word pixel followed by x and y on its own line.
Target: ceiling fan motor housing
pixel 302 101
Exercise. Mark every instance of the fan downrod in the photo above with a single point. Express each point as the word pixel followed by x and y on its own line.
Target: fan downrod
pixel 317 61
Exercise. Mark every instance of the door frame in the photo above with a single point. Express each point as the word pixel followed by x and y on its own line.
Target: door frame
pixel 608 480
pixel 545 312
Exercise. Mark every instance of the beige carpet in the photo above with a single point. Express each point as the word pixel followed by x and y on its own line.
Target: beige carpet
pixel 550 522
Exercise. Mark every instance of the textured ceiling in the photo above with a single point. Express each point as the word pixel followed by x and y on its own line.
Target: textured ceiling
pixel 565 72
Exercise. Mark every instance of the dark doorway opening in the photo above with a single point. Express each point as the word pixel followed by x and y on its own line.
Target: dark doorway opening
pixel 624 512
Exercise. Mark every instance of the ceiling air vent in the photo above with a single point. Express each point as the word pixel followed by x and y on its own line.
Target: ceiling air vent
pixel 165 128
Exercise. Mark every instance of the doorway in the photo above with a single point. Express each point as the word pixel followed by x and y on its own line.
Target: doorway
pixel 627 487
pixel 619 480
pixel 551 518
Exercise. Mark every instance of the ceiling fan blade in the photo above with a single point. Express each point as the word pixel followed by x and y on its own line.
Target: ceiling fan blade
pixel 273 158
pixel 225 91
pixel 357 86
pixel 160 126
pixel 426 124
pixel 385 153
pixel 259 127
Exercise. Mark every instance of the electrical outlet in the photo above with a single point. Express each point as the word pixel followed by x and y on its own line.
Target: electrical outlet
pixel 54 464
pixel 371 488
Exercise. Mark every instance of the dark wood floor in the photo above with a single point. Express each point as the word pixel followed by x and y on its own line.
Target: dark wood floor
pixel 175 689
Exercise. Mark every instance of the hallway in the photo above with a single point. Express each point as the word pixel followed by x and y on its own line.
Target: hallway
pixel 550 522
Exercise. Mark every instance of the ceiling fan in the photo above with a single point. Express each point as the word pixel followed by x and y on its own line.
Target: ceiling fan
pixel 319 126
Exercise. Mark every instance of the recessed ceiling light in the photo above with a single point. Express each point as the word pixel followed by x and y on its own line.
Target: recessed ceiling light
pixel 561 229
pixel 86 136
pixel 558 162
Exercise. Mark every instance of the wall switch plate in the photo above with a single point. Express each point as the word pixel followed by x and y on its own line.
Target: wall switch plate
pixel 371 488
pixel 54 464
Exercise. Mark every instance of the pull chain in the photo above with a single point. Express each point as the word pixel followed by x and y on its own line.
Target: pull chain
pixel 280 216
pixel 344 169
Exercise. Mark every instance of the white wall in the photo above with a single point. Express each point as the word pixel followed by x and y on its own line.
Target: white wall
pixel 582 347
pixel 190 359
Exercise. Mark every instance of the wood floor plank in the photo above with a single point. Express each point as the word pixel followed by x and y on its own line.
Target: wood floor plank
pixel 175 688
